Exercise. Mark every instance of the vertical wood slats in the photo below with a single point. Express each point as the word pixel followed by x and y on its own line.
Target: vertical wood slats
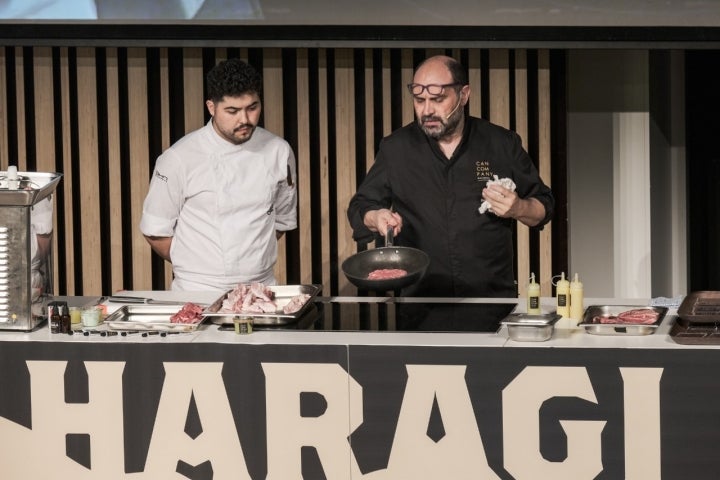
pixel 273 114
pixel 544 161
pixel 304 167
pixel 66 186
pixel 3 110
pixel 166 141
pixel 20 108
pixel 326 183
pixel 522 246
pixel 139 163
pixel 44 123
pixel 475 82
pixel 114 189
pixel 345 131
pixel 87 115
pixel 324 147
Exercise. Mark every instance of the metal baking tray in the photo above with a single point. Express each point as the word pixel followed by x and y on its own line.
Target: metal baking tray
pixel 148 318
pixel 525 327
pixel 283 295
pixel 596 328
pixel 701 306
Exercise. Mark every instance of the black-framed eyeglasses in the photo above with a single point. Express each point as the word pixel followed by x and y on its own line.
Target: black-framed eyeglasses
pixel 432 89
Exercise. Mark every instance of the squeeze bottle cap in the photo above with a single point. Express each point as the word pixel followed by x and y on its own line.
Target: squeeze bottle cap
pixel 563 283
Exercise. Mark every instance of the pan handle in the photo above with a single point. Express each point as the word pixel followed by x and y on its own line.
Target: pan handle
pixel 389 236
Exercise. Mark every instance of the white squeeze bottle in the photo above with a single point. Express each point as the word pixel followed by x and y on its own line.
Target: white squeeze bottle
pixel 533 296
pixel 562 293
pixel 576 299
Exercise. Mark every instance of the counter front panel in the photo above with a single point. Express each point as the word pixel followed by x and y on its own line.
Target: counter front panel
pixel 150 408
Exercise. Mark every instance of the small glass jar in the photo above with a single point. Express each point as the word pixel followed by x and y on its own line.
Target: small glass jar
pixel 75 316
pixel 243 324
pixel 91 316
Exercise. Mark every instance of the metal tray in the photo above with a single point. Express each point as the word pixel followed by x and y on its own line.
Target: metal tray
pixel 148 318
pixel 525 327
pixel 619 328
pixel 283 295
pixel 35 187
pixel 700 307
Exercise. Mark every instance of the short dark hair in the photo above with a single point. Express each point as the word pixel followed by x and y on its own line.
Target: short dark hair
pixel 232 78
pixel 457 71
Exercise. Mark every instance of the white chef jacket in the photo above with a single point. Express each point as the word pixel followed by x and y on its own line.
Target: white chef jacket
pixel 222 204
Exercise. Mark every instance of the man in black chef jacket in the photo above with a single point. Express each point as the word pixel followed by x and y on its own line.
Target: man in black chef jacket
pixel 428 182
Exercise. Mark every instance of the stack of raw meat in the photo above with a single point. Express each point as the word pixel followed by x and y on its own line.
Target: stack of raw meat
pixel 258 298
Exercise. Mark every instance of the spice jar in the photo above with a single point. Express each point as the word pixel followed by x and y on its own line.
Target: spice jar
pixel 243 324
pixel 75 317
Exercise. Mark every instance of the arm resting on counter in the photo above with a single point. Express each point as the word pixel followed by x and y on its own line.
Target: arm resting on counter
pixel 160 245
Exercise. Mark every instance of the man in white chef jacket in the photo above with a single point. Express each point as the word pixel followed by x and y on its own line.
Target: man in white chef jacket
pixel 221 196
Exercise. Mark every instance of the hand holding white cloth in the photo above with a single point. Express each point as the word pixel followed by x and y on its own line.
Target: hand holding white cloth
pixel 503 182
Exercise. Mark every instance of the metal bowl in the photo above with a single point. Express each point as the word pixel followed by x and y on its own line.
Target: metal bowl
pixel 524 327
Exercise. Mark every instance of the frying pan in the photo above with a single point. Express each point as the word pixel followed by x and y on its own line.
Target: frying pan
pixel 357 267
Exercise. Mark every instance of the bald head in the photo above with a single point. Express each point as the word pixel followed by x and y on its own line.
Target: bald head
pixel 442 66
pixel 440 92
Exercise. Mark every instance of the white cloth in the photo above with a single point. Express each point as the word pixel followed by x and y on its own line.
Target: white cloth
pixel 222 204
pixel 503 182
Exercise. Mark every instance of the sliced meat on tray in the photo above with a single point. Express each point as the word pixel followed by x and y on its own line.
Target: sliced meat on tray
pixel 638 316
pixel 189 313
pixel 258 298
pixel 296 303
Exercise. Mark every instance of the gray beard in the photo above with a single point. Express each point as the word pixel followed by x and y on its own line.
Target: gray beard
pixel 448 127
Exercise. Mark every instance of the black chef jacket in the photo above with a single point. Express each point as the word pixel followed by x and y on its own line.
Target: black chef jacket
pixel 471 255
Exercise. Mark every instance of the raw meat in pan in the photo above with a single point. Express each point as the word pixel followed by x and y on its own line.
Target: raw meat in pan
pixel 387 274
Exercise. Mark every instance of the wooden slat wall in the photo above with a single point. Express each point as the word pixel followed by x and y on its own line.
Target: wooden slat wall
pixel 544 161
pixel 304 168
pixel 89 111
pixel 114 169
pixel 521 127
pixel 139 173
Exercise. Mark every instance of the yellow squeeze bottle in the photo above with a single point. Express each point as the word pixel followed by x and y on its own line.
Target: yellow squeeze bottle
pixel 533 296
pixel 562 296
pixel 576 299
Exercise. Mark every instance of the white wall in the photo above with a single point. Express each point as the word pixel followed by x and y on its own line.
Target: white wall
pixel 611 214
